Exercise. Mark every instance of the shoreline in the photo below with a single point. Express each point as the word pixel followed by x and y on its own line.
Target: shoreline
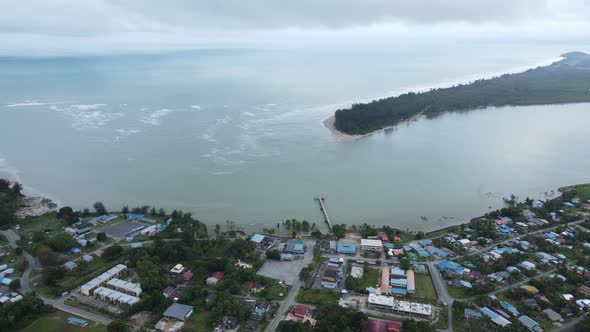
pixel 343 137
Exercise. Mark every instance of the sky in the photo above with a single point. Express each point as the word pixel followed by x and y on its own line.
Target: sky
pixel 33 28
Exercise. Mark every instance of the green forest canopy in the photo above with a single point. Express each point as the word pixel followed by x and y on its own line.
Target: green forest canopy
pixel 565 81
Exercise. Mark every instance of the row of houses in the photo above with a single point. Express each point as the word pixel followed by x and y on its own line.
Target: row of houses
pixel 114 272
pixel 114 296
pixel 501 318
pixel 333 273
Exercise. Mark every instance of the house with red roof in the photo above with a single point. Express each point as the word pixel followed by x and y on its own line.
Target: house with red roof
pixel 394 327
pixel 377 325
pixel 301 310
pixel 215 278
pixel 187 276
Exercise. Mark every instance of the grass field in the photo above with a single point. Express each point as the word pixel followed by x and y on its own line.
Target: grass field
pixel 317 296
pixel 458 293
pixel 57 322
pixel 200 321
pixel 424 287
pixel 583 191
pixel 40 223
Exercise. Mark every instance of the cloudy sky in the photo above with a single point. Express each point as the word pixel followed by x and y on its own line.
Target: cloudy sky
pixel 94 27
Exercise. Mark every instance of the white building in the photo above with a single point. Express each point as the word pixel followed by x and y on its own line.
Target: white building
pixel 126 287
pixel 465 242
pixel 89 287
pixel 527 265
pixel 386 303
pixel 113 296
pixel 371 245
pixel 178 269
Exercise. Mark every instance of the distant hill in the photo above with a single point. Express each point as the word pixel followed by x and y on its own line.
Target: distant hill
pixel 564 81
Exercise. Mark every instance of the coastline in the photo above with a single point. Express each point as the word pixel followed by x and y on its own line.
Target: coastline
pixel 343 137
pixel 33 206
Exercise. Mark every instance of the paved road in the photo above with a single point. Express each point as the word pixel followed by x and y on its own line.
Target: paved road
pixel 284 306
pixel 12 237
pixel 441 290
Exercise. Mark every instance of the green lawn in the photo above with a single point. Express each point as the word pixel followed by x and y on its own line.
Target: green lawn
pixel 583 191
pixel 40 223
pixel 200 321
pixel 318 296
pixel 57 322
pixel 424 287
pixel 458 293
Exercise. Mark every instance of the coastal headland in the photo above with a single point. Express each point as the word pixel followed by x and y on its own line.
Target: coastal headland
pixel 564 81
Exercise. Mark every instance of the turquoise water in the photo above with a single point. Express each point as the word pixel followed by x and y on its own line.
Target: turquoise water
pixel 237 134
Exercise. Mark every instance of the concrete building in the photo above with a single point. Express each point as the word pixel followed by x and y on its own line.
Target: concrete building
pixel 89 287
pixel 371 245
pixel 386 303
pixel 113 296
pixel 123 286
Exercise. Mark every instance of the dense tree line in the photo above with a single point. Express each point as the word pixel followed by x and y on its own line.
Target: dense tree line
pixel 17 315
pixel 565 81
pixel 9 194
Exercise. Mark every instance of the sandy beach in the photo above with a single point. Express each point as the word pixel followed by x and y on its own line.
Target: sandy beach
pixel 329 123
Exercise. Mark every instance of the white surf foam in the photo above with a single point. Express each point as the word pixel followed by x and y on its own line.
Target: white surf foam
pixel 155 118
pixel 86 107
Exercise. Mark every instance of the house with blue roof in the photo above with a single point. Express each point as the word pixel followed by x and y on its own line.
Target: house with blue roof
pixel 257 238
pixel 436 251
pixel 537 204
pixel 70 265
pixel 5 281
pixel 75 251
pixel 510 308
pixel 87 258
pixel 464 283
pixel 504 229
pixel 399 283
pixel 345 248
pixel 399 291
pixel 530 324
pixel 296 247
pixel 142 217
pixel 426 242
pixel 450 267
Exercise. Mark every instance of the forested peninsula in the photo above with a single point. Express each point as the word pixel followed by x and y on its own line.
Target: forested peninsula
pixel 564 81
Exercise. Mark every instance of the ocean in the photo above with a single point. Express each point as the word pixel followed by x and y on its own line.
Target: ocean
pixel 237 134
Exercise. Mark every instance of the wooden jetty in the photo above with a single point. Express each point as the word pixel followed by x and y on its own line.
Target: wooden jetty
pixel 323 209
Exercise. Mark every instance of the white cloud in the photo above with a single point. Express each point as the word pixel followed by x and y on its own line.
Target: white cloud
pixel 71 27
